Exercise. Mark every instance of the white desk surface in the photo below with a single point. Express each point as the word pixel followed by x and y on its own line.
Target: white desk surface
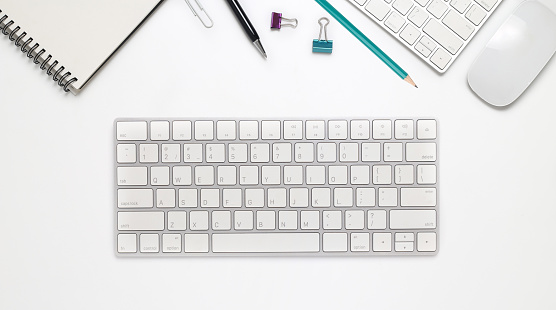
pixel 497 172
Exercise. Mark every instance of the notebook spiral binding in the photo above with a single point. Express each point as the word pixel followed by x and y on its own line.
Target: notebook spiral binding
pixel 64 79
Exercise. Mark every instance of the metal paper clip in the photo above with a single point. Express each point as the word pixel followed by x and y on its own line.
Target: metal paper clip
pixel 198 16
pixel 322 46
pixel 276 21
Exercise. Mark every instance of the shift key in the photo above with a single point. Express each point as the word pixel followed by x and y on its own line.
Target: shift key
pixel 412 219
pixel 141 220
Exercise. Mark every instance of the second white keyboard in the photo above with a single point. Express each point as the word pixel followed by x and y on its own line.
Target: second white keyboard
pixel 435 30
pixel 187 187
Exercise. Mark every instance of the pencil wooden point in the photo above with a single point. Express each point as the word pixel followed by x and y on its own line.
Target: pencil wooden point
pixel 363 39
pixel 410 81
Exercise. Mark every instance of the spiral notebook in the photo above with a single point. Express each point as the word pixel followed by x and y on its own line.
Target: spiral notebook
pixel 72 39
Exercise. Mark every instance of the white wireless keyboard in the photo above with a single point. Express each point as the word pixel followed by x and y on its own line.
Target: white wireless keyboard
pixel 214 187
pixel 435 30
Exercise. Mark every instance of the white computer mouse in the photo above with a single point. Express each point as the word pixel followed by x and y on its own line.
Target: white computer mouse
pixel 515 55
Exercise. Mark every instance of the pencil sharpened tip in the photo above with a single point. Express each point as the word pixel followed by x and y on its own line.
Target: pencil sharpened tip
pixel 410 81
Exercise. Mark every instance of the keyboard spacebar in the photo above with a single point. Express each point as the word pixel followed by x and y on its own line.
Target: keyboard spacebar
pixel 265 243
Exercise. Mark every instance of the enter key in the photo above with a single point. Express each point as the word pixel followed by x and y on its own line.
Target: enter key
pixel 418 197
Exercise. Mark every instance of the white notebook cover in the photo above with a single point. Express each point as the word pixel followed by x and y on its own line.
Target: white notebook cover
pixel 81 34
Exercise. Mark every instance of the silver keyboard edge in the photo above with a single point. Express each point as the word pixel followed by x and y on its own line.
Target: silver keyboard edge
pixel 210 231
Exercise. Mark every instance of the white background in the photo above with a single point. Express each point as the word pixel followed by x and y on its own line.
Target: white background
pixel 497 171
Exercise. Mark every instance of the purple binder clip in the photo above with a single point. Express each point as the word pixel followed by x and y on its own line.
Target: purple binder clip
pixel 277 21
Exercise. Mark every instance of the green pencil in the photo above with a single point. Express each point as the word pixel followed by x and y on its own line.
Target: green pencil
pixel 366 41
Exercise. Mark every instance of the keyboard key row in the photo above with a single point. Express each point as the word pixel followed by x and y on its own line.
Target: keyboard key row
pixel 272 130
pixel 448 23
pixel 276 197
pixel 301 152
pixel 273 220
pixel 277 175
pixel 276 242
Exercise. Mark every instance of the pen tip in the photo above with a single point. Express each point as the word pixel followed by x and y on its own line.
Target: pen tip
pixel 260 48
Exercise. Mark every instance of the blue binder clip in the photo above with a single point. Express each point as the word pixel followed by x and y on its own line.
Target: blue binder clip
pixel 322 46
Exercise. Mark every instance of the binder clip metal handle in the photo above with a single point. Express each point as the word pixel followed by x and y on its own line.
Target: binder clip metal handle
pixel 277 20
pixel 323 46
pixel 206 24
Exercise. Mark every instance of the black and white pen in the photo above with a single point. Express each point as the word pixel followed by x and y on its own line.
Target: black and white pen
pixel 247 26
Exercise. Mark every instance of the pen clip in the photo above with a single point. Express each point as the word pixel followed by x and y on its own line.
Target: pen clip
pixel 198 16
